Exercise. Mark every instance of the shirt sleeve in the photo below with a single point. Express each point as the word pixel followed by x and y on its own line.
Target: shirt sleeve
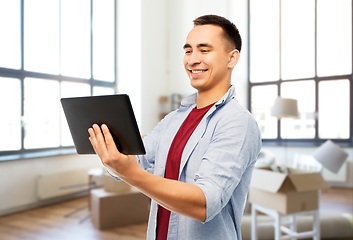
pixel 233 148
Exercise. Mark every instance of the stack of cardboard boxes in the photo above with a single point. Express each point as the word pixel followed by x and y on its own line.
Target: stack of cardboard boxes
pixel 117 205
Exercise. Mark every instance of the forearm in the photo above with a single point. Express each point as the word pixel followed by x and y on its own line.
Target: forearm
pixel 179 197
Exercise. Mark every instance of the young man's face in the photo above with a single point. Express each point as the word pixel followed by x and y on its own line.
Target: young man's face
pixel 207 56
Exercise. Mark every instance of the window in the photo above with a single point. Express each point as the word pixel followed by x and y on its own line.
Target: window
pixel 302 49
pixel 51 49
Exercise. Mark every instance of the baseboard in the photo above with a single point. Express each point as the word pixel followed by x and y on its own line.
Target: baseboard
pixel 42 203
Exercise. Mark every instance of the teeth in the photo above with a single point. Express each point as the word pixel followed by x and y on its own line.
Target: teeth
pixel 197 71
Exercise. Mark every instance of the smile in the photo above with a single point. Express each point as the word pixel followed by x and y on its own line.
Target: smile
pixel 197 71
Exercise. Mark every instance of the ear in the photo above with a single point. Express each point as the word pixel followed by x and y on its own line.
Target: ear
pixel 234 56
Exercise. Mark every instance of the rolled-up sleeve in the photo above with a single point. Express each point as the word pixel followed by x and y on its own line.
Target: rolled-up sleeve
pixel 234 145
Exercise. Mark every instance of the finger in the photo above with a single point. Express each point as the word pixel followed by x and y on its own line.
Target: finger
pixel 94 142
pixel 100 144
pixel 92 139
pixel 112 149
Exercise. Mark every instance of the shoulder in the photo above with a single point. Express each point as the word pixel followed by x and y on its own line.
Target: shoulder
pixel 235 119
pixel 233 110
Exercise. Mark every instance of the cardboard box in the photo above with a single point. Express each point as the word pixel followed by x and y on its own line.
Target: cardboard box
pixel 110 210
pixel 111 185
pixel 286 193
pixel 96 177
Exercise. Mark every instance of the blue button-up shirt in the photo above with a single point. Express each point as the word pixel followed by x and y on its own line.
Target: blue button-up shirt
pixel 219 158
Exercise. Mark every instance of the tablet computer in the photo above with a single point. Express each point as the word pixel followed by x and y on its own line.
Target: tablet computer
pixel 113 110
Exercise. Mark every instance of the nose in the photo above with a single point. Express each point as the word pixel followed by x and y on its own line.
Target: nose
pixel 193 58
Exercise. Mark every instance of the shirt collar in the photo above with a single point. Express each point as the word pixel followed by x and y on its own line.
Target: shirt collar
pixel 191 100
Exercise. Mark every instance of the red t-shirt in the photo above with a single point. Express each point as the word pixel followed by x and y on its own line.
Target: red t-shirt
pixel 173 163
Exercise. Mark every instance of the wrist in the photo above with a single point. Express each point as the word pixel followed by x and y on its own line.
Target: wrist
pixel 132 172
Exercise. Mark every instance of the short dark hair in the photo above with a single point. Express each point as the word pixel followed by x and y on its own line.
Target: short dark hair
pixel 230 31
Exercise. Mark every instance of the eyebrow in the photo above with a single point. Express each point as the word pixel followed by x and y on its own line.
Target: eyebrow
pixel 204 45
pixel 187 46
pixel 200 45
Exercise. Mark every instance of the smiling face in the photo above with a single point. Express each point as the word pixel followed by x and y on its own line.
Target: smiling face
pixel 209 58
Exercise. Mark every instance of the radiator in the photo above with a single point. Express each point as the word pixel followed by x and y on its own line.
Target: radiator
pixel 63 183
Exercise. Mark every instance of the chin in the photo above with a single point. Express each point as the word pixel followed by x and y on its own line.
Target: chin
pixel 195 85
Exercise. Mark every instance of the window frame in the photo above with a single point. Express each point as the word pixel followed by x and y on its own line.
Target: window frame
pixel 21 74
pixel 316 141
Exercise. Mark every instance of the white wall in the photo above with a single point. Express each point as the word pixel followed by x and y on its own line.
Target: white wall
pixel 239 15
pixel 129 52
pixel 18 177
pixel 154 70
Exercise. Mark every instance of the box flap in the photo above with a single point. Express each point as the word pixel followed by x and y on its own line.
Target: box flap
pixel 267 180
pixel 297 170
pixel 308 181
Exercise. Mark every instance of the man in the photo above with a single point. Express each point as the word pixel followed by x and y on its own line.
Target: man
pixel 201 155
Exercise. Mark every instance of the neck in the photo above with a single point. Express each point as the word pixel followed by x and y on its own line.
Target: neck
pixel 206 98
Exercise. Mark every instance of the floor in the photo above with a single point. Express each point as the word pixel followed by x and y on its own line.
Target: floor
pixel 336 201
pixel 70 220
pixel 65 221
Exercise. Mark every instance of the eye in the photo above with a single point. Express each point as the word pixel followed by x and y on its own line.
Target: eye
pixel 205 50
pixel 187 51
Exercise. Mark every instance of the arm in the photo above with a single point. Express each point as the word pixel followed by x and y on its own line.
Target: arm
pixel 183 198
pixel 232 147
